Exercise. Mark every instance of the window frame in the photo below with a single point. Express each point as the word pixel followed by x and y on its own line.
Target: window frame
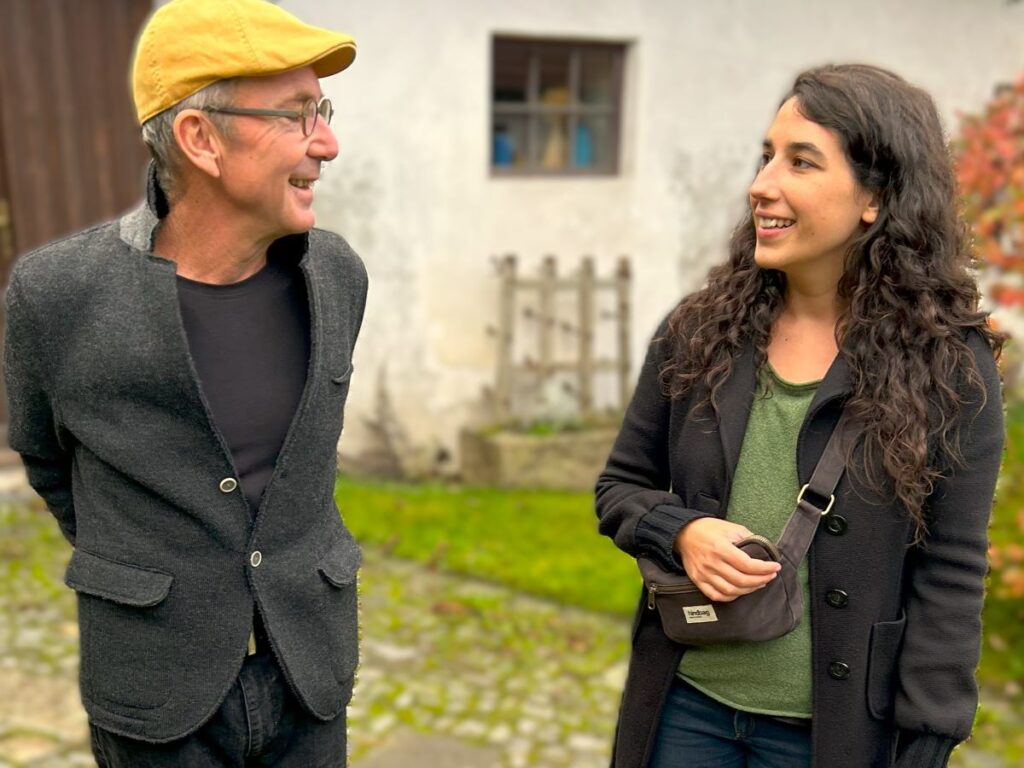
pixel 573 110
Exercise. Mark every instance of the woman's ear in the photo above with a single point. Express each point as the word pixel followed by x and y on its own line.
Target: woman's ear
pixel 870 213
pixel 198 141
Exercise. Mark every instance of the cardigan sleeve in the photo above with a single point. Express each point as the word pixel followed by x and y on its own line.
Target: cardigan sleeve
pixel 32 431
pixel 635 505
pixel 936 694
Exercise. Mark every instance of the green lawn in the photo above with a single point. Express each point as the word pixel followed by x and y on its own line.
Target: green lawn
pixel 542 542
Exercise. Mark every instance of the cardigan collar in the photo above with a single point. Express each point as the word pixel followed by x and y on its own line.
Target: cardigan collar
pixel 737 395
pixel 138 227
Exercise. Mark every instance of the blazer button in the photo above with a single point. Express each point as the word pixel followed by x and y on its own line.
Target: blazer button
pixel 255 559
pixel 838 670
pixel 835 524
pixel 837 598
pixel 228 484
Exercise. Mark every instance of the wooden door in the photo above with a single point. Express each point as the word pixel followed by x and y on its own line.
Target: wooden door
pixel 71 153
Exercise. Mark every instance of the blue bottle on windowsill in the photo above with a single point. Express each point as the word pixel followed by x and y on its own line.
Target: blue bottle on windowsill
pixel 583 156
pixel 504 151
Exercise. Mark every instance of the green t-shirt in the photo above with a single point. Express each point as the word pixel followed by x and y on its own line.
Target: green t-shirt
pixel 771 677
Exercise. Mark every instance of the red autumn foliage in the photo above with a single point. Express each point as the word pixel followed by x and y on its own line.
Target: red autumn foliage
pixel 989 156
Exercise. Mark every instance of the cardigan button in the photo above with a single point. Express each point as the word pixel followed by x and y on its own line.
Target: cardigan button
pixel 255 559
pixel 228 484
pixel 835 524
pixel 838 670
pixel 837 598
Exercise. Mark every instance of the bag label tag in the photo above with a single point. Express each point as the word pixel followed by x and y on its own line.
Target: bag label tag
pixel 698 614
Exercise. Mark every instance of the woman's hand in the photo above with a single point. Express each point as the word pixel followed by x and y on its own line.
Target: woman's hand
pixel 720 569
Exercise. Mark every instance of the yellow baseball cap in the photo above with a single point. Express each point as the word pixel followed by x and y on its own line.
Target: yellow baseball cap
pixel 188 44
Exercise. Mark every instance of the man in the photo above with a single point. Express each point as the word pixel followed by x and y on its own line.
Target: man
pixel 176 383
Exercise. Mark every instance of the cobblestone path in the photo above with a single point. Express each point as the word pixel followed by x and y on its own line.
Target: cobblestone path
pixel 455 673
pixel 520 682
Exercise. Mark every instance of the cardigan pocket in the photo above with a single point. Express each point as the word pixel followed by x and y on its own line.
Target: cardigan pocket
pixel 341 563
pixel 886 637
pixel 339 566
pixel 338 394
pixel 707 504
pixel 344 376
pixel 123 583
pixel 127 636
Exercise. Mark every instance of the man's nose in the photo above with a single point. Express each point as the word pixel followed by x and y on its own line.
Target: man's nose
pixel 324 144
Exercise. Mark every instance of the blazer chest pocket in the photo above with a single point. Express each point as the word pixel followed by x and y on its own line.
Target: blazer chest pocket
pixel 128 654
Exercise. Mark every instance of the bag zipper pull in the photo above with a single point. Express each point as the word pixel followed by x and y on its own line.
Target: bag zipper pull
pixel 651 593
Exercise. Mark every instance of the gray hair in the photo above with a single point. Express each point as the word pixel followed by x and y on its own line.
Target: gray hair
pixel 158 131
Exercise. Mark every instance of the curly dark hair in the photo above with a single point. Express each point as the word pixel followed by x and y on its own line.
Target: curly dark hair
pixel 908 294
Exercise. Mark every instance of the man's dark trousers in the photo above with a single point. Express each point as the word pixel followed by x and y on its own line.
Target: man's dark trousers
pixel 259 724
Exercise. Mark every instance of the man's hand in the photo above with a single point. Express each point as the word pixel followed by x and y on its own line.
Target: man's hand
pixel 720 569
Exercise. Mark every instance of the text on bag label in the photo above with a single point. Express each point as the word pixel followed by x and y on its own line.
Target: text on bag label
pixel 698 614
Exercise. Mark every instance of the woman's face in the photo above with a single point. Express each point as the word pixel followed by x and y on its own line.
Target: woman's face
pixel 806 203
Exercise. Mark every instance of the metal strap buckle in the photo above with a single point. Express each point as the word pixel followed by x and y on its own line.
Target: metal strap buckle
pixel 831 499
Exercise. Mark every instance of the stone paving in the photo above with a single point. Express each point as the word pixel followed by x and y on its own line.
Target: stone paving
pixel 455 673
pixel 461 673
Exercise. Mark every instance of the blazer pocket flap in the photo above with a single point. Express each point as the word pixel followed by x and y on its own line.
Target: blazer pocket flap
pixel 341 562
pixel 344 376
pixel 112 580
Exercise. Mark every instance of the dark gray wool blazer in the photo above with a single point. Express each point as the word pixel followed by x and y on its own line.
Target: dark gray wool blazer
pixel 893 662
pixel 110 420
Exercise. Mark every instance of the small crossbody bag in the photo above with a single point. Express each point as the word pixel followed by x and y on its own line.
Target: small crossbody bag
pixel 688 616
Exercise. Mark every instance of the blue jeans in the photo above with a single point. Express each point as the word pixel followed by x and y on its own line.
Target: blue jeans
pixel 698 732
pixel 259 724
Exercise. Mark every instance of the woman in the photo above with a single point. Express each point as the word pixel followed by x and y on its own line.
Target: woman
pixel 847 290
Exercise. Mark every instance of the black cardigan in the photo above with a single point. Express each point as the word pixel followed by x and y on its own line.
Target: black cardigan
pixel 910 634
pixel 112 425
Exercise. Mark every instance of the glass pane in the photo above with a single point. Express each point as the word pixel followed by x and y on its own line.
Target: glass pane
pixel 553 149
pixel 593 145
pixel 596 68
pixel 509 144
pixel 554 76
pixel 511 70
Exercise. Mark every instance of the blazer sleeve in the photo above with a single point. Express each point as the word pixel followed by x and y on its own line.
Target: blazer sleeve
pixel 635 505
pixel 32 431
pixel 936 695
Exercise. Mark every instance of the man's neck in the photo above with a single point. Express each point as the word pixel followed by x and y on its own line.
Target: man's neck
pixel 221 254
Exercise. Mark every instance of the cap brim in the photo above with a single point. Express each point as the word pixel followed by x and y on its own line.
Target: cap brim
pixel 335 60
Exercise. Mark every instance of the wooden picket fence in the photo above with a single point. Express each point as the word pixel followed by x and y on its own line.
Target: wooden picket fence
pixel 537 301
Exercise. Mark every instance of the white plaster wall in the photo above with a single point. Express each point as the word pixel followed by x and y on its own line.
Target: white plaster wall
pixel 412 191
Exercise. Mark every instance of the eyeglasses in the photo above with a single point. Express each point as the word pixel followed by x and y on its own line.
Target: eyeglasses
pixel 311 110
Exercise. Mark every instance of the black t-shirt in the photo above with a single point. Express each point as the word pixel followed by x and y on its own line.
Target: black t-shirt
pixel 250 344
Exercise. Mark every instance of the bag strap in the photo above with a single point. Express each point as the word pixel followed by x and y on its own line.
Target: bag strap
pixel 803 523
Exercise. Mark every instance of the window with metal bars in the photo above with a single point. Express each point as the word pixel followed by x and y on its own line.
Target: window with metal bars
pixel 555 106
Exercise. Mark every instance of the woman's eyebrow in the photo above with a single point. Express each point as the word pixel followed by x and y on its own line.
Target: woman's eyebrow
pixel 794 147
pixel 805 146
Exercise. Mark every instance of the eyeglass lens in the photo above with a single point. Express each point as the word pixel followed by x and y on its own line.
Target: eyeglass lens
pixel 312 110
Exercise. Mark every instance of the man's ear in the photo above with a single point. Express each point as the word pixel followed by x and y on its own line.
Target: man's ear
pixel 199 141
pixel 870 213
